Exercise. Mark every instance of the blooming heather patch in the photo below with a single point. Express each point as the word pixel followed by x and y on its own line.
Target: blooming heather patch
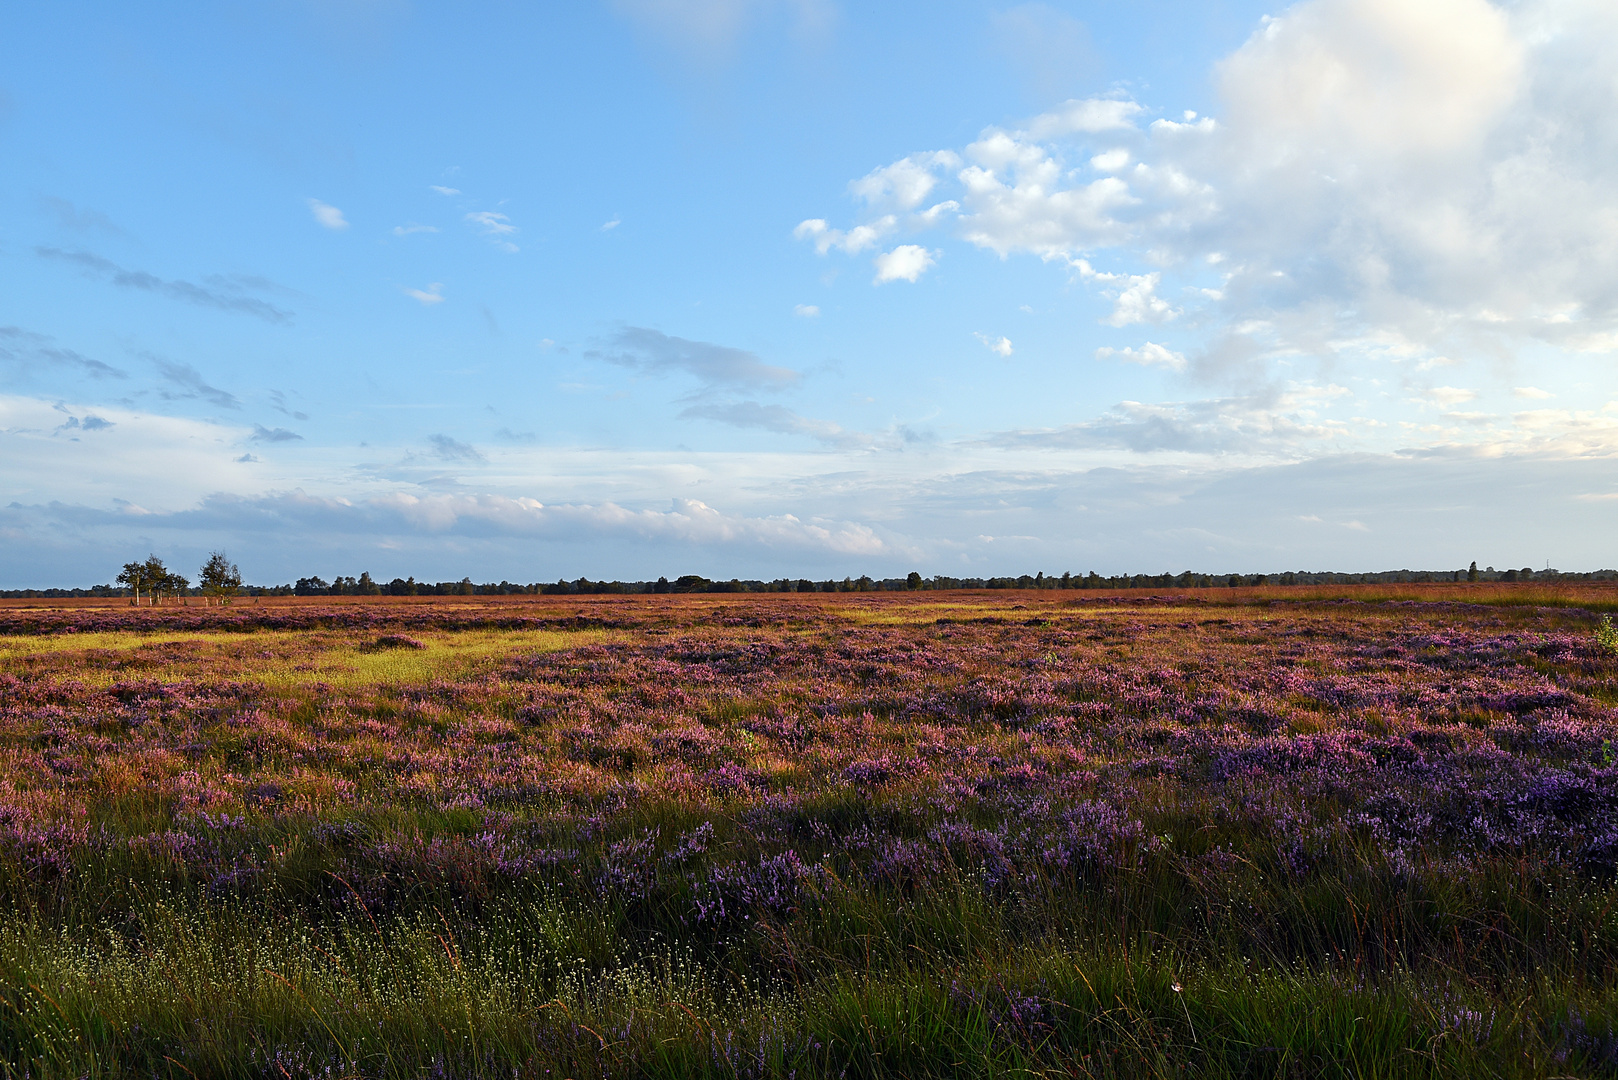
pixel 734 775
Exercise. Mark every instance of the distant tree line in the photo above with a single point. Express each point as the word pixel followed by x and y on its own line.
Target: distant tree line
pixel 219 581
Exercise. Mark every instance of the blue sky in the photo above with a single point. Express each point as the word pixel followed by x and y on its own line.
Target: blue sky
pixel 770 288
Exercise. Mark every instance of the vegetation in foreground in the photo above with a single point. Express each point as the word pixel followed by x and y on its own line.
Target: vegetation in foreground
pixel 887 834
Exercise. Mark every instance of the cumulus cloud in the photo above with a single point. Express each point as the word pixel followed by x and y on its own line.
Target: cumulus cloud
pixel 654 352
pixel 907 262
pixel 1531 392
pixel 850 242
pixel 1134 296
pixel 327 215
pixel 999 346
pixel 906 183
pixel 1150 354
pixel 226 296
pixel 1430 177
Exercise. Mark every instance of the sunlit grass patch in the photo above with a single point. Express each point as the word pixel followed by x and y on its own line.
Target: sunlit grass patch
pixel 284 659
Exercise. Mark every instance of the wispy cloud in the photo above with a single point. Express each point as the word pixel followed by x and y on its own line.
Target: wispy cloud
pixel 327 215
pixel 448 449
pixel 192 384
pixel 279 402
pixel 776 418
pixel 274 435
pixel 78 218
pixel 806 311
pixel 23 348
pixel 496 226
pixel 1264 424
pixel 432 294
pixel 616 221
pixel 442 190
pixel 406 230
pixel 654 352
pixel 185 291
pixel 1445 396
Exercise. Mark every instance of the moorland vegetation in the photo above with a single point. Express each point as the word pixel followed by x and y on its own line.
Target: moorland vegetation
pixel 1253 832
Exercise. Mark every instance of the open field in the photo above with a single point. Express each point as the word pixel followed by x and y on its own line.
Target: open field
pixel 1336 831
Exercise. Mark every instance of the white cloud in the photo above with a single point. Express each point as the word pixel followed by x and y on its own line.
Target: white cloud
pixel 1435 173
pixel 1447 396
pixel 496 226
pixel 999 346
pixel 491 223
pixel 904 184
pixel 608 226
pixel 1150 354
pixel 1134 296
pixel 443 190
pixel 1111 161
pixel 851 242
pixel 1088 116
pixel 806 311
pixel 328 216
pixel 406 230
pixel 907 262
pixel 432 294
pixel 1531 392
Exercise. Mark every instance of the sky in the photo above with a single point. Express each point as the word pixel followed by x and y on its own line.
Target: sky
pixel 804 288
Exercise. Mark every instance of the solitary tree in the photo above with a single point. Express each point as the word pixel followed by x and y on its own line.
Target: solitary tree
pixel 1472 571
pixel 219 578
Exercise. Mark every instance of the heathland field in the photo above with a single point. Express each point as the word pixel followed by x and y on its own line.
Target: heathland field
pixel 1219 833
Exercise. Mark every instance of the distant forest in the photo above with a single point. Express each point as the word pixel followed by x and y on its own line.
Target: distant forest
pixel 692 583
